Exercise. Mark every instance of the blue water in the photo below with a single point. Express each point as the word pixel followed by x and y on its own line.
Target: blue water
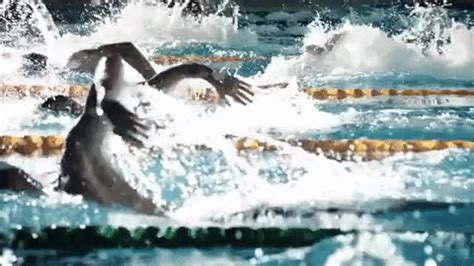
pixel 202 185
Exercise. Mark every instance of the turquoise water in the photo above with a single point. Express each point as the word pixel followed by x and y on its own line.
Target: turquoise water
pixel 200 186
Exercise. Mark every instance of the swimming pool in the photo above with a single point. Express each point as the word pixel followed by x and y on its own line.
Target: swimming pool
pixel 204 187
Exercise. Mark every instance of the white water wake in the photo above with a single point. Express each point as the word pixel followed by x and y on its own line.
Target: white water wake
pixel 366 51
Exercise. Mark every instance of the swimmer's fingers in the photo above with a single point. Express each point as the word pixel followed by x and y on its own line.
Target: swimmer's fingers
pixel 120 116
pixel 134 127
pixel 130 138
pixel 131 125
pixel 239 100
pixel 243 96
pixel 140 128
pixel 131 133
pixel 133 121
pixel 127 121
pixel 126 124
pixel 237 89
pixel 245 87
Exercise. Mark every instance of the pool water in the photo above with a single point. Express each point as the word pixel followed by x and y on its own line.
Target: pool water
pixel 208 186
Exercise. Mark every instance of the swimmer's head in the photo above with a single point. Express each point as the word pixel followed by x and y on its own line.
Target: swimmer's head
pixel 314 50
pixel 34 64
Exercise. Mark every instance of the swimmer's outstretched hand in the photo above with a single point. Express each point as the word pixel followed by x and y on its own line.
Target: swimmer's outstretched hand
pixel 235 88
pixel 125 123
pixel 225 85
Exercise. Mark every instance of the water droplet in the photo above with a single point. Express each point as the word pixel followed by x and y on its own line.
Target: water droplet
pixel 439 257
pixel 430 262
pixel 258 253
pixel 238 234
pixel 417 214
pixel 452 209
pixel 428 250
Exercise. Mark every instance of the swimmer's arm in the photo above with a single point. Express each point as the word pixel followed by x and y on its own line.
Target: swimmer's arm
pixel 130 53
pixel 88 59
pixel 328 46
pixel 84 60
pixel 225 85
pixel 331 43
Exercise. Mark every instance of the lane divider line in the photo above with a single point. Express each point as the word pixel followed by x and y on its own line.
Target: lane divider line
pixel 339 94
pixel 338 149
pixel 171 60
pixel 80 91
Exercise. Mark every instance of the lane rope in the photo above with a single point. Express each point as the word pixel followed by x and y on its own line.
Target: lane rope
pixel 364 149
pixel 89 238
pixel 367 149
pixel 171 60
pixel 339 94
pixel 80 91
pixel 31 145
pixel 107 237
pixel 75 91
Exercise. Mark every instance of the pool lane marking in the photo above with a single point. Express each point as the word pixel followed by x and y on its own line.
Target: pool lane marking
pixel 171 60
pixel 339 94
pixel 80 91
pixel 364 149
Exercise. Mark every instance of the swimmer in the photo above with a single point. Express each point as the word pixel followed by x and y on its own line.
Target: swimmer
pixel 328 47
pixel 85 169
pixel 87 61
pixel 432 29
pixel 193 7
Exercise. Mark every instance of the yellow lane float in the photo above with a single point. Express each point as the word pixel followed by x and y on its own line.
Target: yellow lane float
pixel 75 91
pixel 171 60
pixel 339 149
pixel 79 91
pixel 31 145
pixel 339 94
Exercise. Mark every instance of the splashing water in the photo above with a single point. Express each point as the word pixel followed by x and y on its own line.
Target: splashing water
pixel 365 51
pixel 202 186
pixel 27 20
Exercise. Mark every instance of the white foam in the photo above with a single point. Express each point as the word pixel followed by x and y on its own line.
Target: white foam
pixel 23 117
pixel 367 50
pixel 156 24
pixel 8 257
pixel 147 25
pixel 238 184
pixel 366 248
